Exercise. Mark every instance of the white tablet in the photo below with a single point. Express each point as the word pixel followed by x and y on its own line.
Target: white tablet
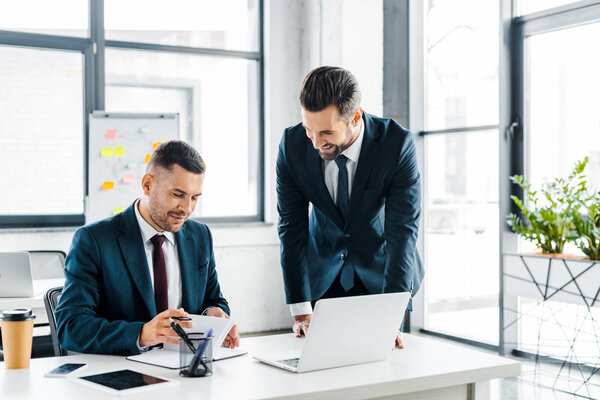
pixel 124 382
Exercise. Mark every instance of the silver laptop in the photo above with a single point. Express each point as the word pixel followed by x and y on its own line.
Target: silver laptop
pixel 15 275
pixel 346 331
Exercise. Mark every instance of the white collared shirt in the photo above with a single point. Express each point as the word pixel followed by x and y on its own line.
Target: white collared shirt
pixel 169 248
pixel 331 173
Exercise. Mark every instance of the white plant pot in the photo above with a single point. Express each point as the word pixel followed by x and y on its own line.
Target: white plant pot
pixel 569 280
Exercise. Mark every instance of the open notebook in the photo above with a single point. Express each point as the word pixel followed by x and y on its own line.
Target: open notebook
pixel 168 356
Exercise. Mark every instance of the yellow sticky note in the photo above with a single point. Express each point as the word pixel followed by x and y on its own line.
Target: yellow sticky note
pixel 108 185
pixel 147 159
pixel 119 152
pixel 117 210
pixel 106 152
pixel 155 145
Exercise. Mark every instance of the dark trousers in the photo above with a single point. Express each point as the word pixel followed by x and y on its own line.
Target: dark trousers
pixel 336 289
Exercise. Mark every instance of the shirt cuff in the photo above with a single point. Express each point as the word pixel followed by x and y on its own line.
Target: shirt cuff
pixel 301 308
pixel 141 348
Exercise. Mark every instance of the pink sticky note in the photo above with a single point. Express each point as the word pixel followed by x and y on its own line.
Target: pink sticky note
pixel 111 133
pixel 128 179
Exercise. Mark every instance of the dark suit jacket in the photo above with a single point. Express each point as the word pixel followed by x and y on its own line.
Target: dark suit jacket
pixel 380 234
pixel 108 293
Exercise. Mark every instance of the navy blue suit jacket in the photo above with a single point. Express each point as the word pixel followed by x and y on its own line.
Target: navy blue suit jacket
pixel 380 234
pixel 108 294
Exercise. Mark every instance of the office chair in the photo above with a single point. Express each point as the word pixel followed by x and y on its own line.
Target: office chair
pixel 50 302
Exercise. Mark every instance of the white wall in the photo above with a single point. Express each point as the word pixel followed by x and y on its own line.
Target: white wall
pixel 248 255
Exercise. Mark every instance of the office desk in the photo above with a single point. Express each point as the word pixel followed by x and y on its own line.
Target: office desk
pixel 426 369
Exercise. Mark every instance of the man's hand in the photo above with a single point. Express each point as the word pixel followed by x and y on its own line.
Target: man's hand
pixel 399 342
pixel 232 339
pixel 301 323
pixel 159 330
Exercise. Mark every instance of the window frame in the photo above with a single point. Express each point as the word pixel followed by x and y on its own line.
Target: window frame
pixel 515 30
pixel 93 49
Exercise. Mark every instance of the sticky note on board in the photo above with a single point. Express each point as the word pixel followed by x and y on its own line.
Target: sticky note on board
pixel 117 210
pixel 128 179
pixel 106 152
pixel 155 145
pixel 108 185
pixel 131 165
pixel 147 159
pixel 111 134
pixel 119 152
pixel 144 129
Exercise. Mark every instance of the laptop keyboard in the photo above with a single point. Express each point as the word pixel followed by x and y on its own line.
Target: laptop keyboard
pixel 292 362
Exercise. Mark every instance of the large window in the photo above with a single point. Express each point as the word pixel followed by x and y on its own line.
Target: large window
pixel 41 124
pixel 224 24
pixel 563 102
pixel 56 17
pixel 556 95
pixel 461 168
pixel 200 59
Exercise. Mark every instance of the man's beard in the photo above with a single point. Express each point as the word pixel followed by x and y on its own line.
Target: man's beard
pixel 162 221
pixel 338 149
pixel 332 156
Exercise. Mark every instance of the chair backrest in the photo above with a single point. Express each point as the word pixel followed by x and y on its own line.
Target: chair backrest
pixel 50 302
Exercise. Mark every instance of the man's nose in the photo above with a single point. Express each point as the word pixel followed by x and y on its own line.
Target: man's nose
pixel 186 205
pixel 317 141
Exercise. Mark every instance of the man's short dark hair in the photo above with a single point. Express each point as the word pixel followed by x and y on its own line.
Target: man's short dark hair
pixel 177 152
pixel 324 86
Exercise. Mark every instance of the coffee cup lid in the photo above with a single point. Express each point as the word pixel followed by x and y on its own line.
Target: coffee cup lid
pixel 17 314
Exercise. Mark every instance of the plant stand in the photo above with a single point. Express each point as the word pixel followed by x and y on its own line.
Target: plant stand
pixel 559 300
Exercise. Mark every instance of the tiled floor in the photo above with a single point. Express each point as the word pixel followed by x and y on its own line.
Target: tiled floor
pixel 518 389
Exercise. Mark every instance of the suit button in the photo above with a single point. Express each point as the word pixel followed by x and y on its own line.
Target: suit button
pixel 347 235
pixel 342 256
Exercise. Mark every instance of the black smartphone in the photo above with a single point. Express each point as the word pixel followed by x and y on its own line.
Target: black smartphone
pixel 64 370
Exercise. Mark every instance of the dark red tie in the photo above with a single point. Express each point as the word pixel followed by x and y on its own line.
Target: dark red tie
pixel 161 296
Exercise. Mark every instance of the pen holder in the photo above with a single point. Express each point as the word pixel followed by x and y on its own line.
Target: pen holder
pixel 190 366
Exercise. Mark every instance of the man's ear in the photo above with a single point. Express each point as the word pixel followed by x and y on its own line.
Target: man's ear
pixel 357 116
pixel 147 182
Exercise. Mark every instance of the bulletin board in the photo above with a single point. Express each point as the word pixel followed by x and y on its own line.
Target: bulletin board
pixel 120 145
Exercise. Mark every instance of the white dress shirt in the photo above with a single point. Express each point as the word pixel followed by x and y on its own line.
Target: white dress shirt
pixel 331 173
pixel 169 248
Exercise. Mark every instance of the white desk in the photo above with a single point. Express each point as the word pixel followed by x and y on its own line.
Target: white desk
pixel 426 369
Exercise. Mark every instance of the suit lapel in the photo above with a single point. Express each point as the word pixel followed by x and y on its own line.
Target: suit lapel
pixel 132 248
pixel 366 161
pixel 321 197
pixel 187 266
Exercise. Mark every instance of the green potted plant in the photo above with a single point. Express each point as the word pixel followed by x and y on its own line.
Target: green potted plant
pixel 560 211
pixel 588 227
pixel 548 217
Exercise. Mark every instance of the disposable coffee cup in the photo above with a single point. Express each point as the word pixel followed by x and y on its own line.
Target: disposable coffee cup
pixel 17 337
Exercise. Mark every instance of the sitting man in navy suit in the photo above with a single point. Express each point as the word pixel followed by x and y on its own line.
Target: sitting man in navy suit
pixel 128 275
pixel 360 174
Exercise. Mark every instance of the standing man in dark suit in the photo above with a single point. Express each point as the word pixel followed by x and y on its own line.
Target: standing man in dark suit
pixel 360 175
pixel 128 275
